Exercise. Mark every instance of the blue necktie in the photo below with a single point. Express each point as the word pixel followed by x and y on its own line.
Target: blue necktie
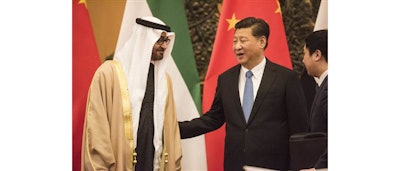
pixel 248 96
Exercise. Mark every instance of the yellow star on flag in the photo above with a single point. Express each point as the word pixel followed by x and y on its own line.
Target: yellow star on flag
pixel 278 10
pixel 232 21
pixel 82 1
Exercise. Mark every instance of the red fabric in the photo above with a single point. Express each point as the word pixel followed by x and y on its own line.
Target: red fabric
pixel 223 58
pixel 85 60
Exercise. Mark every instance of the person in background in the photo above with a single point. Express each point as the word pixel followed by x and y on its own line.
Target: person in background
pixel 262 104
pixel 316 62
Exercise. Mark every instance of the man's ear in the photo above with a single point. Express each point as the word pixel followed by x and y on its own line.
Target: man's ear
pixel 318 55
pixel 262 41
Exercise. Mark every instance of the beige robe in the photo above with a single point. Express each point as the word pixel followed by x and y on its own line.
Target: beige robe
pixel 107 142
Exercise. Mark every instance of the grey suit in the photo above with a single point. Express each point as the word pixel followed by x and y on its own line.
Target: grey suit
pixel 279 110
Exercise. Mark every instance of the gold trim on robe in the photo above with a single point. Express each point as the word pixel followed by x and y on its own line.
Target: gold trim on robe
pixel 172 151
pixel 126 105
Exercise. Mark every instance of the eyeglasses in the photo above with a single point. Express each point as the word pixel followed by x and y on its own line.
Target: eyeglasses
pixel 163 40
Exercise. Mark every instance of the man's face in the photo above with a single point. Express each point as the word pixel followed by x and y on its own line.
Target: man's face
pixel 159 47
pixel 247 48
pixel 308 61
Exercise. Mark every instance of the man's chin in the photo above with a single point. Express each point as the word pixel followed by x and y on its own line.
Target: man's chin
pixel 241 60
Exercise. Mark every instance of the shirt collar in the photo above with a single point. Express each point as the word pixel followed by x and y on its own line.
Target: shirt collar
pixel 258 70
pixel 321 78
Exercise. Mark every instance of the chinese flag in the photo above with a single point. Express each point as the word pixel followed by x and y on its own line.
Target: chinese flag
pixel 222 58
pixel 85 60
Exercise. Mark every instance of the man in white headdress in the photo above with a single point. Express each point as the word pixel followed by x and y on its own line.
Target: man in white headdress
pixel 130 119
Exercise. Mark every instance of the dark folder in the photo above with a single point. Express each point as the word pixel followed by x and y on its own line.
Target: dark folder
pixel 306 148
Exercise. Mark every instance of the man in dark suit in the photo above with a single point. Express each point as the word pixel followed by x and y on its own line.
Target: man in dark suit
pixel 257 135
pixel 316 62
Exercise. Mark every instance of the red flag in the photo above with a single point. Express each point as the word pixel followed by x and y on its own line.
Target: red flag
pixel 85 60
pixel 223 58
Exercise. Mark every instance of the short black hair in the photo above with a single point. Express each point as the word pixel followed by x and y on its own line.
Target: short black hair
pixel 318 40
pixel 259 27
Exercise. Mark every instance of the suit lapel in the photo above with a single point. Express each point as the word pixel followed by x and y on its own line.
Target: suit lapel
pixel 235 92
pixel 318 93
pixel 324 83
pixel 266 83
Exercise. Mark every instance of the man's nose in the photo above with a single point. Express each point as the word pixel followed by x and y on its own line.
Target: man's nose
pixel 164 45
pixel 237 46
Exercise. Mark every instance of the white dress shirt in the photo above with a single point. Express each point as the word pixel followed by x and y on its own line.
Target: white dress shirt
pixel 321 78
pixel 258 72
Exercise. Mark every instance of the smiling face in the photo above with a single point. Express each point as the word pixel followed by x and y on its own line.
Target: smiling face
pixel 159 47
pixel 249 50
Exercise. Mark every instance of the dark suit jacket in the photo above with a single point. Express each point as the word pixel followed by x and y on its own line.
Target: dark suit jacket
pixel 279 110
pixel 308 83
pixel 319 117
